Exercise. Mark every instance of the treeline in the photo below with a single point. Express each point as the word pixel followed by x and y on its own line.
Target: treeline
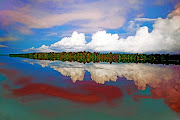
pixel 87 57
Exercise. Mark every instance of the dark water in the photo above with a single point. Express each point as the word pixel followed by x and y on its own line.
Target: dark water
pixel 55 90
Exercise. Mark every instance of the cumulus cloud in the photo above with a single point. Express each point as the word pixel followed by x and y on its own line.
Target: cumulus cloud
pixel 43 48
pixel 29 49
pixel 134 25
pixel 102 41
pixel 164 37
pixel 76 42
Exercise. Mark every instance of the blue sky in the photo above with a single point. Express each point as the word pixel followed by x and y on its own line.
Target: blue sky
pixel 48 25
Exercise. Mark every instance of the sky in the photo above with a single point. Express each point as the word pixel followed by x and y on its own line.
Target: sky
pixel 131 26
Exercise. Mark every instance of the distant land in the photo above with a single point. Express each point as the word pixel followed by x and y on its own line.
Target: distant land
pixel 87 57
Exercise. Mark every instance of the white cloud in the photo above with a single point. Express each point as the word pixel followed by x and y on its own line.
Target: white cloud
pixel 132 28
pixel 43 48
pixel 29 49
pixel 74 43
pixel 102 41
pixel 134 25
pixel 165 37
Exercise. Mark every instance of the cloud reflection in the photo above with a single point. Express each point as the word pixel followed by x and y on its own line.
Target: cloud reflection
pixel 141 74
pixel 163 79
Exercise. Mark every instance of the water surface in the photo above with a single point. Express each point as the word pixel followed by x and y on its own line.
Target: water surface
pixel 54 90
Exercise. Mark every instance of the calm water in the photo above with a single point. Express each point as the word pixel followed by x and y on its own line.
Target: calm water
pixel 54 90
